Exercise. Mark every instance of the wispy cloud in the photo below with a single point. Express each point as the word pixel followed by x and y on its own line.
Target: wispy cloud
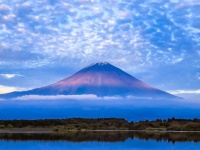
pixel 9 76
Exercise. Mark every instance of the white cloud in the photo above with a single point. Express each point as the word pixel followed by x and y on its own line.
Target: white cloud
pixel 185 91
pixel 75 97
pixel 7 89
pixel 74 43
pixel 176 60
pixel 188 95
pixel 113 98
pixel 9 76
pixel 78 97
pixel 4 8
pixel 58 97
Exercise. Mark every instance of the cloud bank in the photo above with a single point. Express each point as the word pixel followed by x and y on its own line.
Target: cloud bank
pixel 39 32
pixel 78 97
pixel 67 97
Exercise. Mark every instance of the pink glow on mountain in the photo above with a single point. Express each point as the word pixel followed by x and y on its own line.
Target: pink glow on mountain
pixel 110 76
pixel 100 79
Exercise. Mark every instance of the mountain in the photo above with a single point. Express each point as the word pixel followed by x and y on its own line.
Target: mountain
pixel 101 79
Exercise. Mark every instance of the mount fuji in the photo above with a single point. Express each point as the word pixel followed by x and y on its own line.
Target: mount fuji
pixel 100 79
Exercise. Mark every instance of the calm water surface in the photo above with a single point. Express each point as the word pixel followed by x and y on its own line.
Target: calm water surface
pixel 101 140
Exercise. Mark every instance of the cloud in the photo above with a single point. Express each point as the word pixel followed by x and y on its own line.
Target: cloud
pixel 4 9
pixel 58 97
pixel 112 98
pixel 130 34
pixel 9 76
pixel 72 97
pixel 185 91
pixel 7 89
pixel 76 97
pixel 188 95
pixel 79 31
pixel 79 97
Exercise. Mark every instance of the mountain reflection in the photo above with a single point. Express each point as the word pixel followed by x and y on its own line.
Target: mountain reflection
pixel 103 136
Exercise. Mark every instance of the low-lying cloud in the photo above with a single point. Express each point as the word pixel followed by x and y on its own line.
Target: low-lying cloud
pixel 185 91
pixel 79 97
pixel 69 97
pixel 189 95
pixel 76 97
pixel 58 97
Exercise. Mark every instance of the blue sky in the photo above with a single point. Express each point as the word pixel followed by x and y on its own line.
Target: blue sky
pixel 157 41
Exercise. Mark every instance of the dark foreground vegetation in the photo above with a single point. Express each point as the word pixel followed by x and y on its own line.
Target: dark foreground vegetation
pixel 62 125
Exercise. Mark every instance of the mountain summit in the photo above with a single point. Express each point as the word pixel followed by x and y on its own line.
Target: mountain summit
pixel 101 79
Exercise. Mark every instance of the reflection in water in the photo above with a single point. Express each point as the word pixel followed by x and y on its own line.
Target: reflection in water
pixel 104 136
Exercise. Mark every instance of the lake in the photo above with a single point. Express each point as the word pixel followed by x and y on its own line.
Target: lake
pixel 131 110
pixel 101 140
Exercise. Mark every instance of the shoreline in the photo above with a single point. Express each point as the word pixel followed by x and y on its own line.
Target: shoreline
pixel 99 124
pixel 50 131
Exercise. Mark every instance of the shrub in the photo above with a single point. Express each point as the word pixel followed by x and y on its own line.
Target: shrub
pixel 2 126
pixel 55 129
pixel 10 126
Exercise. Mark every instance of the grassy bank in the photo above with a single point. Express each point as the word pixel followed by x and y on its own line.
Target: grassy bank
pixel 82 124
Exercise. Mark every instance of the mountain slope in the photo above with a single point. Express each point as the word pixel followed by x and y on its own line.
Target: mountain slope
pixel 101 79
